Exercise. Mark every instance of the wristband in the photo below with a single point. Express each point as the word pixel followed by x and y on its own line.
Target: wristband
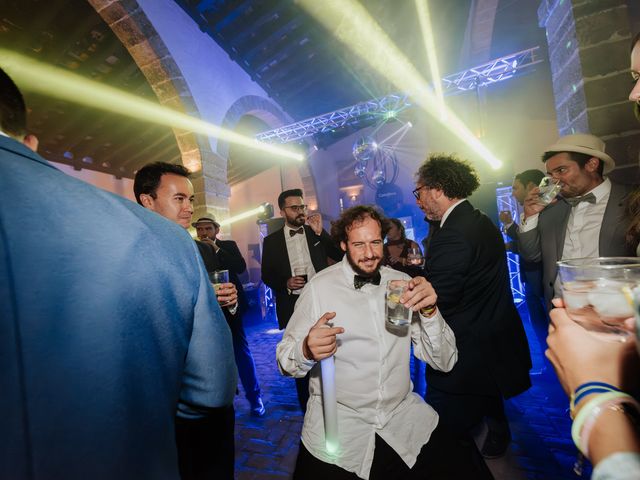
pixel 615 405
pixel 428 311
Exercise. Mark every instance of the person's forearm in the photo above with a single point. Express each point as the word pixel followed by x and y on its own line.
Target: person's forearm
pixel 613 432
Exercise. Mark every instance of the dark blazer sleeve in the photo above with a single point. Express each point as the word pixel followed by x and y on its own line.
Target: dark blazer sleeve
pixel 448 266
pixel 333 251
pixel 230 256
pixel 275 270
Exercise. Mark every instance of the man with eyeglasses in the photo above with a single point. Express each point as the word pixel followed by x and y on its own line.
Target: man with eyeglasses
pixel 291 256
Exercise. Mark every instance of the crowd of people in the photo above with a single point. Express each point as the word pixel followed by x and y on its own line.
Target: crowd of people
pixel 119 360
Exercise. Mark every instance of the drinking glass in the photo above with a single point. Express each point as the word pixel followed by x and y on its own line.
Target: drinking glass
pixel 415 258
pixel 219 277
pixel 300 272
pixel 596 293
pixel 396 313
pixel 549 189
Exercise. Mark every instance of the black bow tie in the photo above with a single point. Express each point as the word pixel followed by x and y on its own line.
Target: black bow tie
pixel 359 281
pixel 574 201
pixel 293 232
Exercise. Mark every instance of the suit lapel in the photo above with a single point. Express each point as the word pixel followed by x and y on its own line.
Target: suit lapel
pixel 314 252
pixel 611 220
pixel 564 210
pixel 284 253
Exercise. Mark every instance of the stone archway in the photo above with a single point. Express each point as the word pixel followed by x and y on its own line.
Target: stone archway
pixel 273 116
pixel 131 25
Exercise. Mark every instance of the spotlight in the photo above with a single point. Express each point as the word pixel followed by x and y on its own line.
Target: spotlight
pixel 266 211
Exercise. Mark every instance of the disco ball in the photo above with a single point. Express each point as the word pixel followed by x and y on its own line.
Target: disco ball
pixel 364 149
pixel 360 170
pixel 379 178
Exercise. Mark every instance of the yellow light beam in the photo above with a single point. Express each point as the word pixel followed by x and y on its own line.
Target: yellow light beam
pixel 243 215
pixel 350 23
pixel 55 82
pixel 424 17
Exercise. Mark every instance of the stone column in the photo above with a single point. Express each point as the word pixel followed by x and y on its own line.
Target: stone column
pixel 589 55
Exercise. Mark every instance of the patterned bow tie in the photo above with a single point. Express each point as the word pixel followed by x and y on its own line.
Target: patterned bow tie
pixel 573 201
pixel 359 281
pixel 293 232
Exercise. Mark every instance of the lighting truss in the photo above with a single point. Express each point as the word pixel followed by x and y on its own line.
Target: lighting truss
pixel 389 105
pixel 506 202
pixel 494 71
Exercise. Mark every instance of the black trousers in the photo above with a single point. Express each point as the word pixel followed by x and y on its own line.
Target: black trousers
pixel 206 446
pixel 442 458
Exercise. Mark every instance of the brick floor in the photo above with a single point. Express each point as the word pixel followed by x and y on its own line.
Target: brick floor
pixel 266 448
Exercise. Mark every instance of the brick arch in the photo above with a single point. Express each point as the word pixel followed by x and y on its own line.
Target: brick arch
pixel 273 116
pixel 131 25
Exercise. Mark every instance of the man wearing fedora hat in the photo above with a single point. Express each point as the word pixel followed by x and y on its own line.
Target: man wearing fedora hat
pixel 225 254
pixel 586 220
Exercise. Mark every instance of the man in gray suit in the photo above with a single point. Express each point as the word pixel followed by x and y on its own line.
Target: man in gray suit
pixel 585 221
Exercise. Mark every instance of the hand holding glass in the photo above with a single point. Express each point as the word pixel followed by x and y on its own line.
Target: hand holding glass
pixel 300 272
pixel 397 315
pixel 218 278
pixel 549 189
pixel 415 258
pixel 595 291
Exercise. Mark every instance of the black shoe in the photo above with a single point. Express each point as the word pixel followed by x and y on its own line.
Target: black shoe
pixel 257 408
pixel 495 444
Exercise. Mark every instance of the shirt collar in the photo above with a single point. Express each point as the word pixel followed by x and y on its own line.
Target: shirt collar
pixel 449 210
pixel 348 272
pixel 601 190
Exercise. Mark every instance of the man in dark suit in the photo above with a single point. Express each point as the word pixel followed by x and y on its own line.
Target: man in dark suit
pixel 296 248
pixel 586 221
pixel 225 255
pixel 530 272
pixel 466 263
pixel 206 443
pixel 103 335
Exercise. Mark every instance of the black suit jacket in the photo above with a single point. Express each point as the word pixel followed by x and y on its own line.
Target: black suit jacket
pixel 229 258
pixel 466 264
pixel 276 268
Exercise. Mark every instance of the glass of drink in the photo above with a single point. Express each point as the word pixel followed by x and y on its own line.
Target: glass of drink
pixel 549 189
pixel 415 258
pixel 300 272
pixel 396 313
pixel 218 277
pixel 596 293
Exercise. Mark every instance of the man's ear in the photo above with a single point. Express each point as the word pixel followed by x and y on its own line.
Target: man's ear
pixel 343 246
pixel 592 164
pixel 146 200
pixel 31 141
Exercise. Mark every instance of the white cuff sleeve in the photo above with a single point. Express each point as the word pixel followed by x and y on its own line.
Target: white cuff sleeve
pixel 526 225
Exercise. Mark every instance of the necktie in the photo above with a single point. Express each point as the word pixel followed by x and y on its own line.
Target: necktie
pixel 293 232
pixel 359 281
pixel 573 201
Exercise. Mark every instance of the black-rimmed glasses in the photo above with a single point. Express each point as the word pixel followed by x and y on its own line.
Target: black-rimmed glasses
pixel 416 191
pixel 298 208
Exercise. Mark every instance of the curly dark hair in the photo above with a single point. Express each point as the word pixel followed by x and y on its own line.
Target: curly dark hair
pixel 147 179
pixel 357 214
pixel 455 177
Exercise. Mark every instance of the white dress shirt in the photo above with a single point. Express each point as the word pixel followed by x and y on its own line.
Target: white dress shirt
pixel 373 386
pixel 298 250
pixel 583 228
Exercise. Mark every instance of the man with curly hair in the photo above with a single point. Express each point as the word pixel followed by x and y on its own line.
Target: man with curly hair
pixel 467 266
pixel 384 430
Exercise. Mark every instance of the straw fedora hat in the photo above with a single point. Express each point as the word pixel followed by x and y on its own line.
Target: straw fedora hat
pixel 584 143
pixel 207 218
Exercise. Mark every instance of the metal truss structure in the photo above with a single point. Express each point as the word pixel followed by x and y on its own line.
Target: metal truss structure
pixel 389 105
pixel 386 107
pixel 506 202
pixel 491 72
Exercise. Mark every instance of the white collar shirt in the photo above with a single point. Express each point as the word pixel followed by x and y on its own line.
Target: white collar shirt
pixel 582 237
pixel 298 251
pixel 373 386
pixel 449 210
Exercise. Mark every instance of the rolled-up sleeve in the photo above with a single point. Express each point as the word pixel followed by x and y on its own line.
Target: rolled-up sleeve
pixel 434 342
pixel 291 360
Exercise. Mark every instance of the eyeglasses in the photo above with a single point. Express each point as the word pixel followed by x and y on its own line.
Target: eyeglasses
pixel 416 192
pixel 298 208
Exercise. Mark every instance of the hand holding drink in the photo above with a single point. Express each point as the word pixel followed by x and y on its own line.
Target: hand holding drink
pixel 226 291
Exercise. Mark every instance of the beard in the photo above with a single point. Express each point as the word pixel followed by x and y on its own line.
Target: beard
pixel 356 268
pixel 298 220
